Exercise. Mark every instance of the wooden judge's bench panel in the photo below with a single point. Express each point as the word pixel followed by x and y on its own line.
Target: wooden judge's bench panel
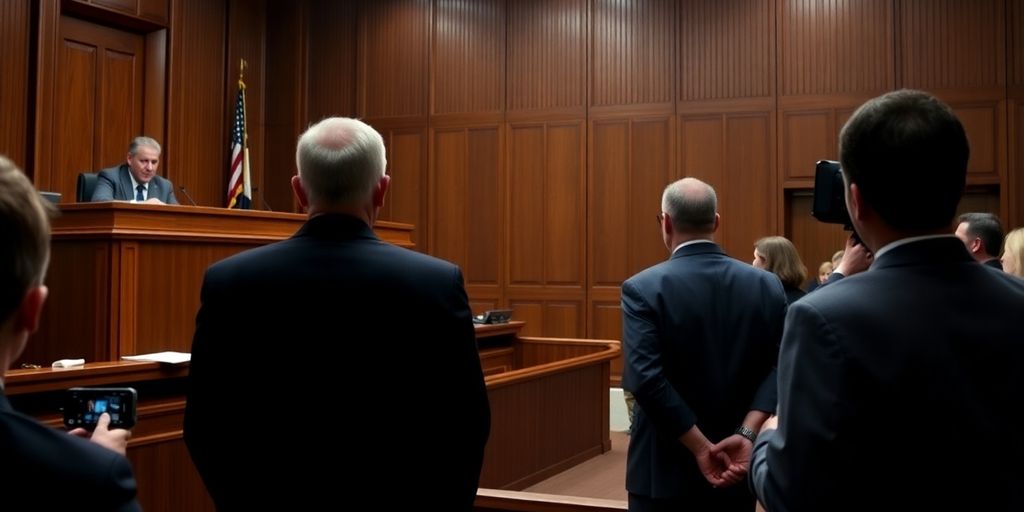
pixel 125 278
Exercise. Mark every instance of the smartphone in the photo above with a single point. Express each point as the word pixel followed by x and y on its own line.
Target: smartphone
pixel 83 407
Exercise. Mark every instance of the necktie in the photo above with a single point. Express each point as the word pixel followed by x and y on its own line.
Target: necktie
pixel 138 193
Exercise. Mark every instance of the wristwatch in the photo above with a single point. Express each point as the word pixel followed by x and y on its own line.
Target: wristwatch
pixel 747 433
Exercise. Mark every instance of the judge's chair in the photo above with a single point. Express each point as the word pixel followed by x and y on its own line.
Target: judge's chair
pixel 86 184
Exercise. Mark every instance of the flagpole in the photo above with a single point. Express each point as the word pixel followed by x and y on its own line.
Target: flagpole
pixel 246 183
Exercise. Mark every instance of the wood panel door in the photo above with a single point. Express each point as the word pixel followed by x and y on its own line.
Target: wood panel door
pixel 97 101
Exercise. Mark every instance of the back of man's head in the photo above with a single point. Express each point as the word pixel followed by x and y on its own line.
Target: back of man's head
pixel 25 231
pixel 985 227
pixel 907 153
pixel 340 161
pixel 692 206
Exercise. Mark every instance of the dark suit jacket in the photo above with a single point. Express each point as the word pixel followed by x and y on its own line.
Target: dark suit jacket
pixel 333 322
pixel 700 334
pixel 45 469
pixel 115 184
pixel 900 389
pixel 994 263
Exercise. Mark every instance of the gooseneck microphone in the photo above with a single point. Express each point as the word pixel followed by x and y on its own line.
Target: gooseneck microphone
pixel 183 191
pixel 262 199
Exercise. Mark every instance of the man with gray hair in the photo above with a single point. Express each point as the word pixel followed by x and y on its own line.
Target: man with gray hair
pixel 700 334
pixel 136 179
pixel 343 316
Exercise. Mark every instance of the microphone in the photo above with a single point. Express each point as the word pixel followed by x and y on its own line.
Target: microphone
pixel 263 199
pixel 182 188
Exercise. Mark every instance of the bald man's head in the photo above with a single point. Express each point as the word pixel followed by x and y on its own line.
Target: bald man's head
pixel 340 161
pixel 692 206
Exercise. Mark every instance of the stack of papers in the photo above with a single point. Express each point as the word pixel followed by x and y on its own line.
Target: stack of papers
pixel 162 357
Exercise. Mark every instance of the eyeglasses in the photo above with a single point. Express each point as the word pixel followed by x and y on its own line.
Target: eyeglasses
pixel 660 216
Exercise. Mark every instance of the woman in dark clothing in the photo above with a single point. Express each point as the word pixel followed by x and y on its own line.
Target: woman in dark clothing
pixel 778 255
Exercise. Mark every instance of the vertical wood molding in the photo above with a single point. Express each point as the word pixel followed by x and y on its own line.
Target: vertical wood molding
pixel 15 33
pixel 394 58
pixel 246 39
pixel 949 44
pixel 196 150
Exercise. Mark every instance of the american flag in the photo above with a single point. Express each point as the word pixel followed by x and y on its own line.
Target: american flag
pixel 239 190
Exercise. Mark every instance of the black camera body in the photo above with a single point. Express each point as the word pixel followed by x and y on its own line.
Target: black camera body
pixel 830 195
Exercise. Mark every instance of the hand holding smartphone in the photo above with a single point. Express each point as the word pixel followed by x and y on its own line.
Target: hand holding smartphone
pixel 83 407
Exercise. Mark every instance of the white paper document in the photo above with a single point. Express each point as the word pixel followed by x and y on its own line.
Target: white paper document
pixel 162 357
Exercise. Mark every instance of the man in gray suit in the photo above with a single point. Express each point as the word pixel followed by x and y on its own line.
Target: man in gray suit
pixel 136 179
pixel 900 387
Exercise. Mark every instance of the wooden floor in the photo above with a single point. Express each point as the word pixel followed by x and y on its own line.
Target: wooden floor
pixel 601 477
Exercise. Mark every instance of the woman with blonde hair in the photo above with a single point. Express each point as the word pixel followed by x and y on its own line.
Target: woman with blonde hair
pixel 778 255
pixel 1013 253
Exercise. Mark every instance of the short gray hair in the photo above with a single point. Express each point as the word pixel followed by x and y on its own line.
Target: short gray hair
pixel 143 141
pixel 340 160
pixel 691 204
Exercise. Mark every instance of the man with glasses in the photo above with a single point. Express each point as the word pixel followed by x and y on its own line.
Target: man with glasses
pixel 700 334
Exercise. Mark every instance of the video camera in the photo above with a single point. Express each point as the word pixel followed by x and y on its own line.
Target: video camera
pixel 830 195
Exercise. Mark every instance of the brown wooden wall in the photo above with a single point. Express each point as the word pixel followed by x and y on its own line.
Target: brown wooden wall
pixel 529 140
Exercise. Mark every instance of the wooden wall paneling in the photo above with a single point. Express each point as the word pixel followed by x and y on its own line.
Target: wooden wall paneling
pixel 547 56
pixel 196 150
pixel 958 51
pixel 633 53
pixel 154 119
pixel 1013 192
pixel 285 114
pixel 98 101
pixel 247 34
pixel 726 50
pixel 394 57
pixel 952 44
pixel 468 57
pixel 166 478
pixel 82 331
pixel 555 317
pixel 331 59
pixel 835 47
pixel 15 37
pixel 162 298
pixel 155 10
pixel 466 213
pixel 546 184
pixel 407 166
pixel 733 153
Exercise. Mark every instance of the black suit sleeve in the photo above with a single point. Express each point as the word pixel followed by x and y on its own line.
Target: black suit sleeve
pixel 794 464
pixel 645 371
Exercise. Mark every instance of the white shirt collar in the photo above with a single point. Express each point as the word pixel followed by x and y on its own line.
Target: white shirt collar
pixel 692 242
pixel 904 241
pixel 135 186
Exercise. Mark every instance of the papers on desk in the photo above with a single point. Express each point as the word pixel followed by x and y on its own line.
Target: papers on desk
pixel 162 357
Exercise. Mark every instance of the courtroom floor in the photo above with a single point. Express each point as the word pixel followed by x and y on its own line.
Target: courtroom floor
pixel 601 477
pixel 604 476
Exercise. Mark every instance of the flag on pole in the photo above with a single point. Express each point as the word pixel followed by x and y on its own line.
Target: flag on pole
pixel 239 188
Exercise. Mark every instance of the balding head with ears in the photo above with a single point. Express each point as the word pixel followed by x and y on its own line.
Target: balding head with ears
pixel 689 211
pixel 341 164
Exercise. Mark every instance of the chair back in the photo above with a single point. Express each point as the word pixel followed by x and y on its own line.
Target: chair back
pixel 86 184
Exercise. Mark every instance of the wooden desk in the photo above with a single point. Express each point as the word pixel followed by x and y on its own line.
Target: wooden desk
pixel 125 278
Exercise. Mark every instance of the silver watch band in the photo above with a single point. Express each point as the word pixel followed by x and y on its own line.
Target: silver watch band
pixel 747 433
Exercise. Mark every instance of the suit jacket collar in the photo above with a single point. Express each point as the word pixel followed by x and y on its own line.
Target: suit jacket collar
pixel 336 226
pixel 695 249
pixel 152 188
pixel 934 251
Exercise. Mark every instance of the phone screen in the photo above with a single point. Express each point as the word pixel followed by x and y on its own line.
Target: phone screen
pixel 83 407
